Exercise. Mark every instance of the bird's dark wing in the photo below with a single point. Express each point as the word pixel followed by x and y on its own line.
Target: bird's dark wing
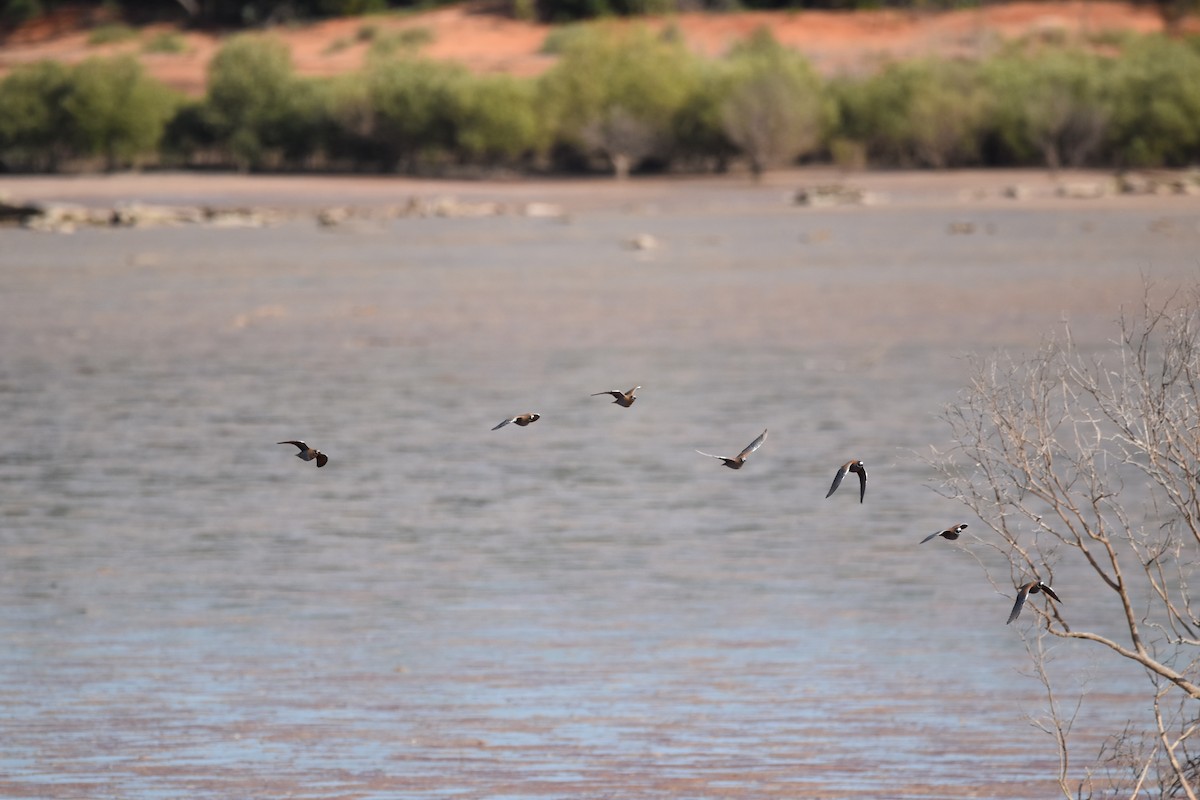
pixel 862 483
pixel 613 392
pixel 931 536
pixel 303 447
pixel 1050 592
pixel 502 424
pixel 710 455
pixel 837 479
pixel 322 460
pixel 1019 603
pixel 750 448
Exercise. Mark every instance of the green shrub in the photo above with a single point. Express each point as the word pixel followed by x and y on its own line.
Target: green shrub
pixel 346 123
pixel 618 93
pixel 1156 105
pixel 946 115
pixel 191 136
pixel 562 37
pixel 349 8
pixel 698 135
pixel 111 33
pixel 14 12
pixel 775 109
pixel 404 42
pixel 166 42
pixel 254 101
pixel 115 111
pixel 33 126
pixel 412 102
pixel 495 119
pixel 1053 108
pixel 917 113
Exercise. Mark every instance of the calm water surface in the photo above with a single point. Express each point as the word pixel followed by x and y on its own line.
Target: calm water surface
pixel 581 608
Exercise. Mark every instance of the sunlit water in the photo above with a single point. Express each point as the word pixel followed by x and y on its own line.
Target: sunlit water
pixel 581 608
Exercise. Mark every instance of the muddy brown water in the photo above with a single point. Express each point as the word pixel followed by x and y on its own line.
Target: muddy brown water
pixel 581 608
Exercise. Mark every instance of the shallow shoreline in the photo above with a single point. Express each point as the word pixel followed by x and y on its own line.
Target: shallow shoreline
pixel 314 192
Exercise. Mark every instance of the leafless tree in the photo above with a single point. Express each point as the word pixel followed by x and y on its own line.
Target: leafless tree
pixel 1090 464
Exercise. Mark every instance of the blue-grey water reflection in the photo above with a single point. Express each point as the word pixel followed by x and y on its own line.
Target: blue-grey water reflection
pixel 580 608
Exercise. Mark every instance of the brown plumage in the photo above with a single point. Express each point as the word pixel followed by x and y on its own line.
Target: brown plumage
pixel 851 466
pixel 623 399
pixel 520 419
pixel 949 533
pixel 1033 587
pixel 309 453
pixel 737 461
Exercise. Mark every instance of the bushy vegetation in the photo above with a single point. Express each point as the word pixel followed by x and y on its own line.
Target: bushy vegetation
pixel 617 95
pixel 255 13
pixel 621 100
pixel 111 33
pixel 772 106
pixel 104 111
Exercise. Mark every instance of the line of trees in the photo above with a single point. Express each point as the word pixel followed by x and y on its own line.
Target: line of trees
pixel 620 101
pixel 254 13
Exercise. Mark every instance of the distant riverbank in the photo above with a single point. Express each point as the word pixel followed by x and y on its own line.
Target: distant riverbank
pixel 343 197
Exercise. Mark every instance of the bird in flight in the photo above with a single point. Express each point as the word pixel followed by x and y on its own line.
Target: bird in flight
pixel 949 533
pixel 1033 587
pixel 737 461
pixel 623 399
pixel 309 453
pixel 851 466
pixel 521 419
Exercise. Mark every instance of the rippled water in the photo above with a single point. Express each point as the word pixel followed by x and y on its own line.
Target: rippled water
pixel 581 608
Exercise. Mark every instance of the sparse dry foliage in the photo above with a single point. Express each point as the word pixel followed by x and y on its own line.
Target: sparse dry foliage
pixel 622 138
pixel 1089 465
pixel 775 111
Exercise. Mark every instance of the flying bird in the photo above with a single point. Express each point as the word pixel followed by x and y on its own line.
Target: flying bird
pixel 623 399
pixel 309 453
pixel 737 461
pixel 1033 587
pixel 851 466
pixel 521 419
pixel 949 533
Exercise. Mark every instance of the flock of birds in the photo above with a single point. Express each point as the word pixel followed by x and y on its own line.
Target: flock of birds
pixel 627 398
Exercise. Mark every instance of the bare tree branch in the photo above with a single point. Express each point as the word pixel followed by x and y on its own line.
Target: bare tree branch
pixel 1092 463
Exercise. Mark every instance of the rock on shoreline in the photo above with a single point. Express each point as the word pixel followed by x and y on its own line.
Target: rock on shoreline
pixel 67 217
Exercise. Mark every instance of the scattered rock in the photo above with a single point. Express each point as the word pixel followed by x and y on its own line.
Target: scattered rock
pixel 16 212
pixel 643 241
pixel 454 208
pixel 833 195
pixel 1084 190
pixel 1018 192
pixel 330 217
pixel 137 215
pixel 552 210
pixel 1150 183
pixel 240 217
pixel 65 218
